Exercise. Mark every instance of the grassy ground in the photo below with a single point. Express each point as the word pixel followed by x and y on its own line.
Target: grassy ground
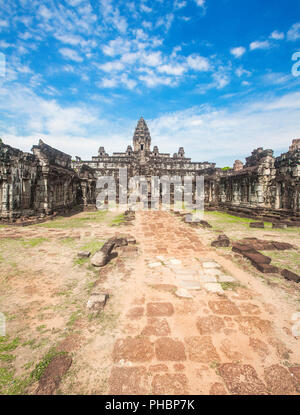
pixel 44 289
pixel 238 228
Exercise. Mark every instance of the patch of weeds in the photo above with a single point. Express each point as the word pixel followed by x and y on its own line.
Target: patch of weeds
pixel 41 328
pixel 40 367
pixel 29 343
pixel 34 242
pixel 94 270
pixel 27 365
pixel 118 220
pixel 80 261
pixel 89 286
pixel 73 318
pixel 67 241
pixel 93 246
pixel 10 385
pixel 229 285
pixel 107 320
pixel 214 364
pixel 7 357
pixel 78 221
pixel 7 345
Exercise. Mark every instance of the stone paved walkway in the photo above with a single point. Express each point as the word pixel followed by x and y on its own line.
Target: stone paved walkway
pixel 182 333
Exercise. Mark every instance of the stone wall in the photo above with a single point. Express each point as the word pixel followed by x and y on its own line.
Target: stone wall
pixel 39 183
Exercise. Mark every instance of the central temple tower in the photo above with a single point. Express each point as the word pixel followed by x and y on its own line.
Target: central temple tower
pixel 141 138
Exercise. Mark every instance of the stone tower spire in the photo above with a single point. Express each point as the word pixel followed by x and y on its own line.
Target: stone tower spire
pixel 141 138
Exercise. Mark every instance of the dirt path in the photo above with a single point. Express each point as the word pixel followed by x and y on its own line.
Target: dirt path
pixel 232 335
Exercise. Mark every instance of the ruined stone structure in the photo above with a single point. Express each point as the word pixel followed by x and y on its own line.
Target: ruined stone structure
pixel 48 181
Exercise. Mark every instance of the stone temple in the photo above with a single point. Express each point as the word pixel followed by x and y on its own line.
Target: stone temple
pixel 47 181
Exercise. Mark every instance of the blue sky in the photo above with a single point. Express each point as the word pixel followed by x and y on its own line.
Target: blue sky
pixel 214 76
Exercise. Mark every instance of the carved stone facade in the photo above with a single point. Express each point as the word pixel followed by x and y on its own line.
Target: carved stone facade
pixel 48 181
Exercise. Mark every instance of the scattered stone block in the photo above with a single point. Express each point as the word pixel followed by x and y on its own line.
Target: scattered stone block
pixel 257 258
pixel 214 272
pixel 279 225
pixel 290 276
pixel 210 265
pixel 207 278
pixel 99 259
pixel 214 287
pixel 154 264
pixel 53 374
pixel 205 224
pixel 257 225
pixel 190 285
pixel 241 248
pixel 84 254
pixel 174 261
pixel 226 278
pixel 266 268
pixel 97 302
pixel 183 293
pixel 222 242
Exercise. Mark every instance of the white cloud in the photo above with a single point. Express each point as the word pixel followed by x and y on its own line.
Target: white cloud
pixel 45 12
pixel 165 22
pixel 70 54
pixel 294 32
pixel 178 4
pixel 152 59
pixel 276 78
pixel 241 71
pixel 200 3
pixel 198 63
pixel 152 80
pixel 277 35
pixel 265 44
pixel 108 83
pixel 221 79
pixel 79 130
pixel 145 8
pixel 170 69
pixel 238 52
pixel 111 66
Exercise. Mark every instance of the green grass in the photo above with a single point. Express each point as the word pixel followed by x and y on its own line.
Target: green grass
pixel 73 318
pixel 92 246
pixel 67 241
pixel 11 385
pixel 289 259
pixel 117 221
pixel 74 222
pixel 21 242
pixel 229 285
pixel 7 345
pixel 221 217
pixel 40 367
